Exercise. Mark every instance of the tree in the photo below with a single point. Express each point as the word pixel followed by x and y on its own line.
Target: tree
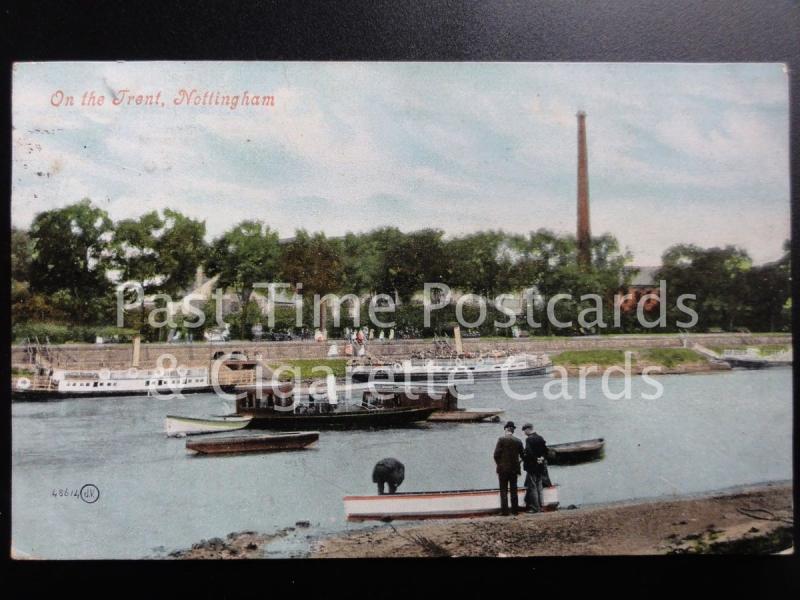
pixel 134 249
pixel 547 263
pixel 717 276
pixel 242 256
pixel 315 262
pixel 411 260
pixel 21 254
pixel 481 263
pixel 362 259
pixel 71 249
pixel 180 248
pixel 769 289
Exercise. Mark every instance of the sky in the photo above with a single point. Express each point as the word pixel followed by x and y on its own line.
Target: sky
pixel 678 153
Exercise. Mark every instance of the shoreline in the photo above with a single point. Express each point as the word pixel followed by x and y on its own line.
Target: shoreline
pixel 704 523
pixel 710 522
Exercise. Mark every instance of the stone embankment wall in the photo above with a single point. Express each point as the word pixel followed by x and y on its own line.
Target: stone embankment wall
pixel 118 356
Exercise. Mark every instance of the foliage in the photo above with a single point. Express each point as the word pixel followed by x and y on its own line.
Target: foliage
pixel 411 260
pixel 57 333
pixel 63 270
pixel 70 254
pixel 730 292
pixel 244 255
pixel 21 254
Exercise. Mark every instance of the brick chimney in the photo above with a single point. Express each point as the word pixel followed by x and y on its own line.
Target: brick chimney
pixel 584 233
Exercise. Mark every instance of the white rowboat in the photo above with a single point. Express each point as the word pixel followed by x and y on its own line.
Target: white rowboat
pixel 176 426
pixel 435 505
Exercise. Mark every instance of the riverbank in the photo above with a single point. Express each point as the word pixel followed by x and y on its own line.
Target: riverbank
pixel 754 519
pixel 655 361
pixel 198 354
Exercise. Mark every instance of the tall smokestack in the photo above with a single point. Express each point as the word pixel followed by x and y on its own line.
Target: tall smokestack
pixel 584 233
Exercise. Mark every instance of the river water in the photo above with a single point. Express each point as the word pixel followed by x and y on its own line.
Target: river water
pixel 706 432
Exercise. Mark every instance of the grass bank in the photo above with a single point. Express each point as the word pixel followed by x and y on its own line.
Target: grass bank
pixel 668 360
pixel 579 358
pixel 310 368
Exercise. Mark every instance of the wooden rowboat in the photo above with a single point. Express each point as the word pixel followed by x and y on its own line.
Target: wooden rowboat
pixel 435 505
pixel 574 452
pixel 292 440
pixel 466 415
pixel 177 426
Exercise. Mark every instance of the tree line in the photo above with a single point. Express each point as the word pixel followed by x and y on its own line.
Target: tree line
pixel 67 265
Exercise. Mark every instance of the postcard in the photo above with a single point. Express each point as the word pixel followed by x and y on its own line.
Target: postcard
pixel 268 310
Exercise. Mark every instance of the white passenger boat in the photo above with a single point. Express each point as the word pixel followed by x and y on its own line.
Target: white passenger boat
pixel 63 383
pixel 435 505
pixel 177 426
pixel 452 369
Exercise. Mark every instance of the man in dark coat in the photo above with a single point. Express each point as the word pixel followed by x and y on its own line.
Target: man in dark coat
pixel 507 455
pixel 388 471
pixel 535 467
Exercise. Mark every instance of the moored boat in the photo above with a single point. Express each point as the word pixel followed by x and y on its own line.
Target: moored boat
pixel 178 426
pixel 435 505
pixel 574 452
pixel 50 384
pixel 328 406
pixel 462 370
pixel 274 442
pixel 467 415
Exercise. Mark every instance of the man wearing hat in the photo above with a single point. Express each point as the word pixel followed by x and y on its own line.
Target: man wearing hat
pixel 535 467
pixel 507 455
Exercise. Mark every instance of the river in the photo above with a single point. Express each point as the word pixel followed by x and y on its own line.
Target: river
pixel 706 432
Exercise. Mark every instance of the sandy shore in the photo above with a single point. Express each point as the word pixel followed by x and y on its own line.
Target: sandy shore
pixel 748 520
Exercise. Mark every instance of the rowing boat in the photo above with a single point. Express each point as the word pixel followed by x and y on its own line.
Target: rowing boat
pixel 273 442
pixel 435 505
pixel 177 426
pixel 467 415
pixel 574 452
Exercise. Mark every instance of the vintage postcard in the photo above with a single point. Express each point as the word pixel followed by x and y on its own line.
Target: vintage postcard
pixel 397 309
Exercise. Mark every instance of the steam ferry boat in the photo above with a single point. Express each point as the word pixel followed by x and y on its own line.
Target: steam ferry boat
pixel 452 369
pixel 63 383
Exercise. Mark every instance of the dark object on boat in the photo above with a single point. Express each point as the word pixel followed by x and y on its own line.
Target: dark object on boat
pixel 575 452
pixel 275 442
pixel 388 471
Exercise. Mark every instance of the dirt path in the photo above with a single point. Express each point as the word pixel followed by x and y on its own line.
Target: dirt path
pixel 733 522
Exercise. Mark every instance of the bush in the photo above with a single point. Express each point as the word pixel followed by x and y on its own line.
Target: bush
pixel 56 333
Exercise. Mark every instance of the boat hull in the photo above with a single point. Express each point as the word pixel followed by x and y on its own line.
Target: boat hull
pixel 435 505
pixel 176 426
pixel 466 415
pixel 268 419
pixel 45 395
pixel 363 376
pixel 575 452
pixel 253 443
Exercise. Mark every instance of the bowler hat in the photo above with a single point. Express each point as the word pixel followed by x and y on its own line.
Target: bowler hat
pixel 510 425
